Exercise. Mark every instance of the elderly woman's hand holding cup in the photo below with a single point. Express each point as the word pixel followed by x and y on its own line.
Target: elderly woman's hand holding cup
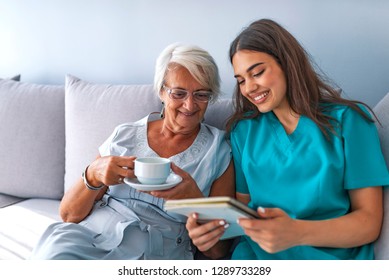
pixel 156 170
pixel 152 170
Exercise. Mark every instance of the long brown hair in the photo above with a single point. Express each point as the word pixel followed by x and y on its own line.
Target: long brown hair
pixel 308 92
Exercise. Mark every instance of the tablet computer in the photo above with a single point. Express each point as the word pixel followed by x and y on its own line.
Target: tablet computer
pixel 211 208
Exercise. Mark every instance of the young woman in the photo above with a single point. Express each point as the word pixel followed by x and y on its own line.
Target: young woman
pixel 309 160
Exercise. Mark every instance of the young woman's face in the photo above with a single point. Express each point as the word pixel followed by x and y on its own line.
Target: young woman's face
pixel 261 80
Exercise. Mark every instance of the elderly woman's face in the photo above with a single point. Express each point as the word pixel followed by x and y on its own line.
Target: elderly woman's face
pixel 182 116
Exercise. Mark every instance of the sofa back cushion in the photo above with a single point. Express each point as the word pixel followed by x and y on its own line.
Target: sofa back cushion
pixel 382 112
pixel 93 110
pixel 32 140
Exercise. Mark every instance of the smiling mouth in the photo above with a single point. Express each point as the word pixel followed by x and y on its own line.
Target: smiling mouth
pixel 188 114
pixel 261 96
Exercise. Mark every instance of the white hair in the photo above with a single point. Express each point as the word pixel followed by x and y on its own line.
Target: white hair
pixel 196 60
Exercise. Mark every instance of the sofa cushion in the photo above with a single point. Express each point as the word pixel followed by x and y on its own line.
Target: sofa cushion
pixel 93 110
pixel 6 200
pixel 32 133
pixel 218 113
pixel 23 223
pixel 382 112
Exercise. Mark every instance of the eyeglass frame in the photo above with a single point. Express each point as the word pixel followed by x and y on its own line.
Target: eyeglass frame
pixel 187 92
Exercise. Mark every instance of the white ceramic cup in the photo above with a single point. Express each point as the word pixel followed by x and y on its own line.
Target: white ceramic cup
pixel 152 170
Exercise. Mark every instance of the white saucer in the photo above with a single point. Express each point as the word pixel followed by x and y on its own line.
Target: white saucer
pixel 171 181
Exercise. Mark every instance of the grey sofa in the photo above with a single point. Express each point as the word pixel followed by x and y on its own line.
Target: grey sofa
pixel 49 133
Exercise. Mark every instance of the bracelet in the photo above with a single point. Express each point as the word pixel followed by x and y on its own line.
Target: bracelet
pixel 87 183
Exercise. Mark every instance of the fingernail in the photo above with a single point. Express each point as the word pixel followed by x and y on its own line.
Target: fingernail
pixel 261 209
pixel 222 223
pixel 194 216
pixel 226 225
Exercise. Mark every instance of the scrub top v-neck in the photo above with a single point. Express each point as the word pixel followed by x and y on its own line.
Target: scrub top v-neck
pixel 305 174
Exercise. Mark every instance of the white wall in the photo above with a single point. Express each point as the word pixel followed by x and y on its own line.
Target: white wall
pixel 117 41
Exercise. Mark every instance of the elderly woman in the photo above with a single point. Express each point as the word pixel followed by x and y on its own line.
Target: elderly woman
pixel 106 219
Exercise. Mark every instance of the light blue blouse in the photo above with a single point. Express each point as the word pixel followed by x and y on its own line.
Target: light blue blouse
pixel 128 224
pixel 305 174
pixel 206 159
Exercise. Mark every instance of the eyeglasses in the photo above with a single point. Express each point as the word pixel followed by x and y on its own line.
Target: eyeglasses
pixel 182 95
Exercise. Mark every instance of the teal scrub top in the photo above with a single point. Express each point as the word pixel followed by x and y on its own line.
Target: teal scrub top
pixel 305 174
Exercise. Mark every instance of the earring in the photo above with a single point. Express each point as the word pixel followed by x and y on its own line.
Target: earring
pixel 162 114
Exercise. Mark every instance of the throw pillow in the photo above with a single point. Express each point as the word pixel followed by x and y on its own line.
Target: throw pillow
pixel 32 133
pixel 382 111
pixel 92 111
